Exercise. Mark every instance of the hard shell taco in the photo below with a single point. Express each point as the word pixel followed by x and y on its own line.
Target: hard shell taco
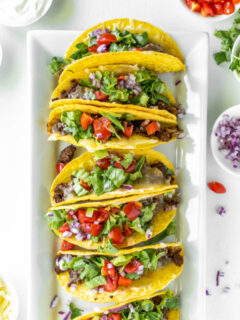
pixel 158 62
pixel 122 35
pixel 125 221
pixel 160 305
pixel 117 86
pixel 112 174
pixel 102 128
pixel 107 277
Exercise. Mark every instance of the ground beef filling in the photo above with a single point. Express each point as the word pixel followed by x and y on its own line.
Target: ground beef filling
pixel 163 202
pixel 67 154
pixel 164 133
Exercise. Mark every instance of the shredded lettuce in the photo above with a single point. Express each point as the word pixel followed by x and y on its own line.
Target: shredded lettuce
pixel 57 63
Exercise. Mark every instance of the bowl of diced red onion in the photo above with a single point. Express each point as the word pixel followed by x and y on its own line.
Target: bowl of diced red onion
pixel 225 140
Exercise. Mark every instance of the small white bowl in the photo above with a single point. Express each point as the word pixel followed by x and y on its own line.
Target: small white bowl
pixel 11 10
pixel 14 298
pixel 219 156
pixel 209 19
pixel 236 50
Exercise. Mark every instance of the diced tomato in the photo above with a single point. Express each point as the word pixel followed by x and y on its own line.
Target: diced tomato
pixel 115 210
pixel 104 163
pixel 131 168
pixel 106 38
pixel 96 229
pixel 103 215
pixel 132 210
pixel 217 8
pixel 64 227
pixel 207 10
pixel 106 271
pixel 122 281
pixel 85 185
pixel 228 7
pixel 195 6
pixel 101 96
pixel 127 230
pixel 60 166
pixel 92 49
pixel 86 120
pixel 81 215
pixel 66 246
pixel 114 316
pixel 118 165
pixel 236 1
pixel 84 219
pixel 116 235
pixel 127 130
pixel 86 227
pixel 120 78
pixel 112 283
pixel 137 49
pixel 71 214
pixel 152 127
pixel 100 128
pixel 132 266
pixel 217 187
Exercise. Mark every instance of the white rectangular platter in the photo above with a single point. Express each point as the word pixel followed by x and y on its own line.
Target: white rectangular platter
pixel 188 156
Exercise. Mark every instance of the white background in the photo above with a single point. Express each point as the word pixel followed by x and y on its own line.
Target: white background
pixel 223 236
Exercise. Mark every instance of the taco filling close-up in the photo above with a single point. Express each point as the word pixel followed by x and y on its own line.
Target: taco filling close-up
pixel 103 172
pixel 101 273
pixel 142 88
pixel 94 126
pixel 157 306
pixel 119 222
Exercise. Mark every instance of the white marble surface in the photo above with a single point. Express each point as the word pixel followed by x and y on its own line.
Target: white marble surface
pixel 223 234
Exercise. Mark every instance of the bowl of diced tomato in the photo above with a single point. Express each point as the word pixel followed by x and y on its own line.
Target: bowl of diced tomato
pixel 211 9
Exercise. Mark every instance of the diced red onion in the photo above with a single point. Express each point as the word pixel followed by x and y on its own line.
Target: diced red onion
pixel 226 289
pixel 178 82
pixel 219 274
pixel 88 236
pixel 75 224
pixel 81 237
pixel 130 306
pixel 109 266
pixel 94 291
pixel 208 293
pixel 61 312
pixel 221 211
pixel 101 290
pixel 127 186
pixel 228 137
pixel 73 287
pixel 104 317
pixel 96 222
pixel 49 214
pixel 67 317
pixel 54 302
pixel 119 308
pixel 148 234
pixel 67 234
pixel 140 270
pixel 122 274
pixel 106 185
pixel 99 135
pixel 102 48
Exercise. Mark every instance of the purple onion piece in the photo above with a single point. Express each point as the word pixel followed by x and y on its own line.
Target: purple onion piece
pixel 219 274
pixel 54 302
pixel 61 312
pixel 67 317
pixel 178 82
pixel 208 293
pixel 221 211
pixel 127 186
pixel 119 308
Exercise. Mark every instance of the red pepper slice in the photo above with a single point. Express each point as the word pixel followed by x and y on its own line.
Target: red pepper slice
pixel 60 166
pixel 106 38
pixel 132 266
pixel 86 120
pixel 122 281
pixel 217 187
pixel 66 246
pixel 151 128
pixel 132 210
pixel 127 130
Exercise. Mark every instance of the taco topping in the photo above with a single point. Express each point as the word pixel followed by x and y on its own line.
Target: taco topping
pixel 104 40
pixel 143 88
pixel 106 273
pixel 105 126
pixel 154 308
pixel 111 172
pixel 111 222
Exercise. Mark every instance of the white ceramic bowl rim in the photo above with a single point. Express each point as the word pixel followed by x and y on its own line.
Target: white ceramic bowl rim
pixel 219 156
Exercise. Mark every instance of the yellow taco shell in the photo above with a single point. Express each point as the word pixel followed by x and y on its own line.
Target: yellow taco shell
pixel 155 61
pixel 117 70
pixel 172 314
pixel 86 161
pixel 136 141
pixel 160 222
pixel 155 35
pixel 149 283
